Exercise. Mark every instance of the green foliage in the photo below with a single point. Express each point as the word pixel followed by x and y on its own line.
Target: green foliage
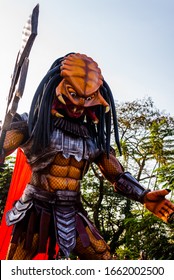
pixel 147 138
pixel 166 175
pixel 5 178
pixel 148 233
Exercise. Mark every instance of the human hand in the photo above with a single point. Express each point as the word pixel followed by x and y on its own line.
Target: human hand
pixel 156 202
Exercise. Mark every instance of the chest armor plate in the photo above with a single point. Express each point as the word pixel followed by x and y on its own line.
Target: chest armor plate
pixel 75 146
pixel 69 145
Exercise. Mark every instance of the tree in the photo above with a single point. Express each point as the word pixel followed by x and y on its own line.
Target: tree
pixel 147 140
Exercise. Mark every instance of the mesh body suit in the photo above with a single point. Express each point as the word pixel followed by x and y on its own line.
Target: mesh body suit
pixel 50 209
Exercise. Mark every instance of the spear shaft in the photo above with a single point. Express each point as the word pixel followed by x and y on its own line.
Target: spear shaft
pixel 19 74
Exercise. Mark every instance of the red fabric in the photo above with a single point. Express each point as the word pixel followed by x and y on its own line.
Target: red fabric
pixel 43 256
pixel 20 178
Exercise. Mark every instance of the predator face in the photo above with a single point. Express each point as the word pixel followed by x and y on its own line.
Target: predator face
pixel 78 93
pixel 73 89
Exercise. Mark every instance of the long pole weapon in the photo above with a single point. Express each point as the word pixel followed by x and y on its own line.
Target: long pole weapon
pixel 19 74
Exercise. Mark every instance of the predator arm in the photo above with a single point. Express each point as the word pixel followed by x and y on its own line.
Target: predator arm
pixel 16 135
pixel 125 184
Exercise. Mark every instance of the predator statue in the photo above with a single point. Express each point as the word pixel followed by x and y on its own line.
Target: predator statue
pixel 68 128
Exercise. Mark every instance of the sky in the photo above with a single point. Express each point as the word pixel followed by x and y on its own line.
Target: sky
pixel 131 40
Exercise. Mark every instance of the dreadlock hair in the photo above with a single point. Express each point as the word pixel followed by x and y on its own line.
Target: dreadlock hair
pixel 102 131
pixel 39 122
pixel 40 119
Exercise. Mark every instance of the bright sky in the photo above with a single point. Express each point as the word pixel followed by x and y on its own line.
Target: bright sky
pixel 131 40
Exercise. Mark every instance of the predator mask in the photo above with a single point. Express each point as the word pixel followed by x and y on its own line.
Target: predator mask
pixel 78 93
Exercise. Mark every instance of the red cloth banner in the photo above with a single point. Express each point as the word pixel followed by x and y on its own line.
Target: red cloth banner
pixel 20 178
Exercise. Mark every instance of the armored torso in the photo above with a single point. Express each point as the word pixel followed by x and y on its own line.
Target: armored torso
pixel 62 165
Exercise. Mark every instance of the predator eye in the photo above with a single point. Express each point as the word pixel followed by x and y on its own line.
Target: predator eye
pixel 73 94
pixel 90 97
